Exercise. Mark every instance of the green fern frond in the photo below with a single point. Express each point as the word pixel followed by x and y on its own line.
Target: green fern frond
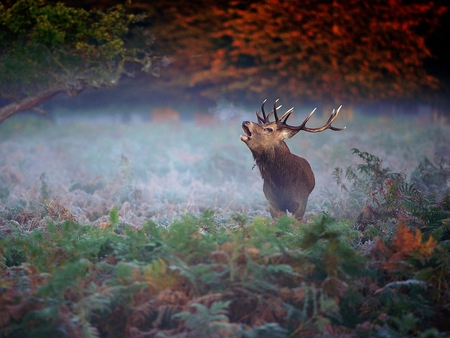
pixel 89 331
pixel 114 216
pixel 272 330
pixel 205 322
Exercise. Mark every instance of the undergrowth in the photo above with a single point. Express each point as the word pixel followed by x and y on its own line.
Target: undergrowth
pixel 385 275
pixel 374 264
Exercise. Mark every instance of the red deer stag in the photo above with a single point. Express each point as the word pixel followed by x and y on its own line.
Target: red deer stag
pixel 288 178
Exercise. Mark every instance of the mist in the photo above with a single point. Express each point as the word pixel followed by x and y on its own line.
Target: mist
pixel 91 161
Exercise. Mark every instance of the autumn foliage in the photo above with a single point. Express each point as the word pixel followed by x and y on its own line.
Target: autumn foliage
pixel 331 52
pixel 328 51
pixel 406 244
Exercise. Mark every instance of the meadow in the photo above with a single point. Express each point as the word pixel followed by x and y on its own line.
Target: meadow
pixel 161 230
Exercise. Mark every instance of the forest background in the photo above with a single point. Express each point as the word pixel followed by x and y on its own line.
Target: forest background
pixel 381 55
pixel 130 208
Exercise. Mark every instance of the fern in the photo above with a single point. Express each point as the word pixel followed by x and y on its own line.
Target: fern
pixel 185 238
pixel 367 181
pixel 207 322
pixel 315 312
pixel 432 178
pixel 280 278
pixel 89 331
pixel 272 330
pixel 210 277
pixel 114 216
pixel 97 300
pixel 64 278
pixel 327 245
pixel 41 322
pixel 429 214
pixel 337 175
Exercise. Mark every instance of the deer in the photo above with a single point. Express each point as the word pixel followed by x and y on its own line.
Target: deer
pixel 288 179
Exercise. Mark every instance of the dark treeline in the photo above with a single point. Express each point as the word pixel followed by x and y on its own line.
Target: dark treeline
pixel 360 53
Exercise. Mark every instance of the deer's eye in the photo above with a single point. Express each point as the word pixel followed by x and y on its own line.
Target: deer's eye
pixel 269 130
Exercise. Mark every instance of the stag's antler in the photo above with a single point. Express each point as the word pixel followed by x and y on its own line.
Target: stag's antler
pixel 285 116
pixel 333 116
pixel 265 118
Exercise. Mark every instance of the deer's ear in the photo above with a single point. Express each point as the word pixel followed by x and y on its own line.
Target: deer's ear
pixel 288 133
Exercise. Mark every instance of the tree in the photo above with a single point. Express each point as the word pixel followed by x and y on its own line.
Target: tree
pixel 46 49
pixel 328 50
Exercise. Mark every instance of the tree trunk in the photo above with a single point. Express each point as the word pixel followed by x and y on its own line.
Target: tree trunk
pixel 33 100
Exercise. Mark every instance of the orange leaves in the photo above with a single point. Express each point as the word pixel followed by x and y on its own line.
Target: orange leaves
pixel 406 244
pixel 304 48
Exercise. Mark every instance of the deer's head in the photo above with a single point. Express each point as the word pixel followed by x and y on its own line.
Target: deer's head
pixel 266 136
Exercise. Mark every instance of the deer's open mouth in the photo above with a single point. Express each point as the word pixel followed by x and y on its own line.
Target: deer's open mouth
pixel 247 131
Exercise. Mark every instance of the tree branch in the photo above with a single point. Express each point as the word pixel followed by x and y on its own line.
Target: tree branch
pixel 31 101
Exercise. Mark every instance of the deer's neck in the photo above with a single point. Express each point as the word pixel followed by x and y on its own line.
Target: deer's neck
pixel 274 162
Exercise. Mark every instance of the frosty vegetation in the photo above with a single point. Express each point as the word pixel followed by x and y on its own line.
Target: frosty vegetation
pixel 161 171
pixel 161 230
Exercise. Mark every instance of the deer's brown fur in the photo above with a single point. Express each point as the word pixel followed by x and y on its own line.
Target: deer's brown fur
pixel 288 178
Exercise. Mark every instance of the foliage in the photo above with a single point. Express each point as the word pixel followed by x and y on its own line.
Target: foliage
pixel 50 48
pixel 382 195
pixel 412 253
pixel 199 278
pixel 114 216
pixel 207 322
pixel 368 180
pixel 329 51
pixel 376 264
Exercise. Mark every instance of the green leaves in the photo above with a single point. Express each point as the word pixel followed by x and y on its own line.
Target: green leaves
pixel 114 216
pixel 58 26
pixel 45 46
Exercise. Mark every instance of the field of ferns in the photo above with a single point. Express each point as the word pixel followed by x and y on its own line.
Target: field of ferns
pixel 162 230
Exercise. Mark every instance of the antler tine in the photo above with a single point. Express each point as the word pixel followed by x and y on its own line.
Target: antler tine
pixel 260 119
pixel 268 115
pixel 264 118
pixel 286 115
pixel 306 120
pixel 333 116
pixel 275 110
pixel 334 128
pixel 262 109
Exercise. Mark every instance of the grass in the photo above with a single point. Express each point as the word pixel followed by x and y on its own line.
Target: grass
pixel 162 231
